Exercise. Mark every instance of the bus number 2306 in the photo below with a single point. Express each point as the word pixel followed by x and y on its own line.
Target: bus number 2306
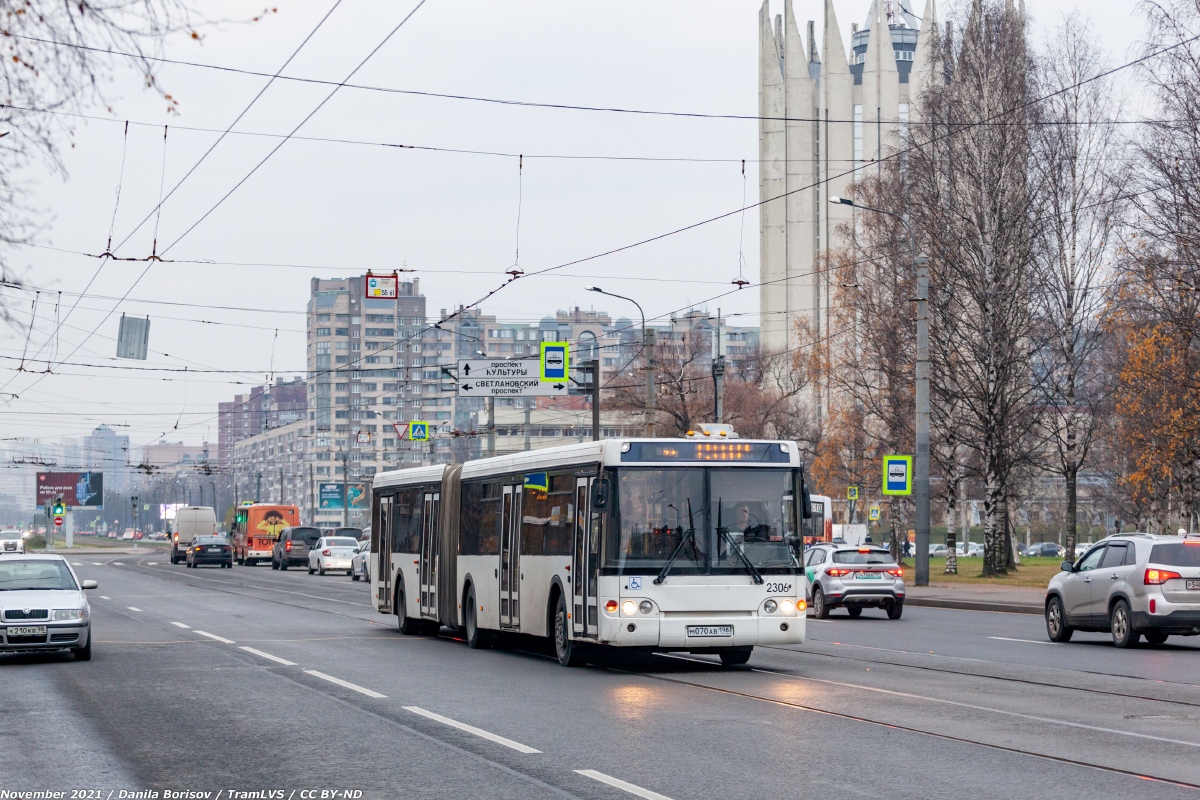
pixel 779 587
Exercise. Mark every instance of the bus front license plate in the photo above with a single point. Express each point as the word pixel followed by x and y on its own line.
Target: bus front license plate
pixel 709 630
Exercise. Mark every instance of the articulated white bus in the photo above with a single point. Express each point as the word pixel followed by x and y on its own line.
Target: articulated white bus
pixel 657 544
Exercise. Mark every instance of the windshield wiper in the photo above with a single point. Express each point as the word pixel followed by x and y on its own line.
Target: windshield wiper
pixel 724 533
pixel 688 535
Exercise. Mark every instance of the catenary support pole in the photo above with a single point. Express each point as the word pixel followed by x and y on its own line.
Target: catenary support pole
pixel 595 399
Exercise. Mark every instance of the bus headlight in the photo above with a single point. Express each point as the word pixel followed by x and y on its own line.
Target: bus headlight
pixel 787 606
pixel 770 606
pixel 646 607
pixel 629 608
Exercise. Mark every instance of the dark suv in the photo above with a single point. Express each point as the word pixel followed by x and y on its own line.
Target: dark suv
pixel 293 545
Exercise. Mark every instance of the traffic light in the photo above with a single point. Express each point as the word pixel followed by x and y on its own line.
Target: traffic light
pixel 133 504
pixel 60 509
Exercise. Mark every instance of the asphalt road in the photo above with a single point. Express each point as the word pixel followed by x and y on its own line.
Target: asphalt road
pixel 249 679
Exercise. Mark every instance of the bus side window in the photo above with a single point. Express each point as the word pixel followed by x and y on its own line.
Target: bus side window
pixel 469 517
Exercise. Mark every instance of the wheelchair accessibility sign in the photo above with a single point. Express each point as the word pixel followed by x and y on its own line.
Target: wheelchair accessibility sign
pixel 635 584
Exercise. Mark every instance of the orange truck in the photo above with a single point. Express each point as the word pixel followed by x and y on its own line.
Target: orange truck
pixel 256 528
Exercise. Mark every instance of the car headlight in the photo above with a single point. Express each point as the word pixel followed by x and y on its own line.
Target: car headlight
pixel 628 608
pixel 65 614
pixel 770 606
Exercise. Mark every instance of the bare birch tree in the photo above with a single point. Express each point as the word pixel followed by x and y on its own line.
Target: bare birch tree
pixel 968 174
pixel 1077 154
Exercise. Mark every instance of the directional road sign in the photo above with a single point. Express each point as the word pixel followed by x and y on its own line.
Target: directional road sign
pixel 505 378
pixel 897 475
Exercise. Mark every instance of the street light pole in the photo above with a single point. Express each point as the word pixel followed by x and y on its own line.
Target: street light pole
pixel 648 343
pixel 921 460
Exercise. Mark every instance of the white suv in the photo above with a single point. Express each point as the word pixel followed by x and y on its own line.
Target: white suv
pixel 12 541
pixel 1132 585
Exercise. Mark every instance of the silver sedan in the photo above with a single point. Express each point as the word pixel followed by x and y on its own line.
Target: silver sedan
pixel 331 552
pixel 43 606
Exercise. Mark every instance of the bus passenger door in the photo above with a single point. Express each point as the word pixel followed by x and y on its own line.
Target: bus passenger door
pixel 381 553
pixel 510 558
pixel 584 613
pixel 429 554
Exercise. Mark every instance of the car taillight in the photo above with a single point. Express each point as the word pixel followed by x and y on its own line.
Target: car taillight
pixel 177 537
pixel 898 572
pixel 326 552
pixel 1157 577
pixel 287 545
pixel 837 573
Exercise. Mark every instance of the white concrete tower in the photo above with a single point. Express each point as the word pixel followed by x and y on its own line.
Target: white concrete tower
pixel 827 121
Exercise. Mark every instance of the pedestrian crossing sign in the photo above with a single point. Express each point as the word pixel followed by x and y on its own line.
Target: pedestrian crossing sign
pixel 851 492
pixel 418 431
pixel 873 514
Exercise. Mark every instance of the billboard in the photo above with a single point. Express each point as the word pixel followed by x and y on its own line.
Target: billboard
pixel 77 489
pixel 330 496
pixel 167 510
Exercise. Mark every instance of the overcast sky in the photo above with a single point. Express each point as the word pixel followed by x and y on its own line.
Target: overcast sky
pixel 337 209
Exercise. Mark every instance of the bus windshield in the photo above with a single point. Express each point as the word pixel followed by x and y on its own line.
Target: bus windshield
pixel 704 514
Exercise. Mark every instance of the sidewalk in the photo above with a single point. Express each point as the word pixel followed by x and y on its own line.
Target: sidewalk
pixel 1011 599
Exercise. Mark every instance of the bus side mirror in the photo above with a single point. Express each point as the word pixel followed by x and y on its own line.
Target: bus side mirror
pixel 805 498
pixel 600 489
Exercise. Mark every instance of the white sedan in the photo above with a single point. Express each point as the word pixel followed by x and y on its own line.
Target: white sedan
pixel 43 607
pixel 332 552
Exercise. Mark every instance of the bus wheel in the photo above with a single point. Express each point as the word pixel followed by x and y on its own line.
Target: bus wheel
pixel 408 625
pixel 476 639
pixel 570 654
pixel 736 657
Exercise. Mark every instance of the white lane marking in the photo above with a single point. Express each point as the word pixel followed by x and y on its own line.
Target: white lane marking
pixel 151 563
pixel 480 732
pixel 622 785
pixel 105 597
pixel 133 608
pixel 181 625
pixel 270 657
pixel 218 638
pixel 116 564
pixel 974 707
pixel 77 563
pixel 347 684
pixel 1026 641
pixel 98 563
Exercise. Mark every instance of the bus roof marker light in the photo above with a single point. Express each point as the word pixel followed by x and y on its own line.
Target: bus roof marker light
pixel 625 447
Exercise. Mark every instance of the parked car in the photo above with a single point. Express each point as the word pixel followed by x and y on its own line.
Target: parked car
pixel 1081 548
pixel 360 565
pixel 969 549
pixel 1045 549
pixel 938 551
pixel 332 552
pixel 210 550
pixel 191 522
pixel 12 541
pixel 854 578
pixel 45 607
pixel 293 546
pixel 1131 585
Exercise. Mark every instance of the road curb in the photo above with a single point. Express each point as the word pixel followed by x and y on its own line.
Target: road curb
pixel 974 605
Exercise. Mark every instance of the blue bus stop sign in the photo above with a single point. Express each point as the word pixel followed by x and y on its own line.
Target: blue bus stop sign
pixel 897 475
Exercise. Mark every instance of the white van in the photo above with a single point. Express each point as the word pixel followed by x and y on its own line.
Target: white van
pixel 191 522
